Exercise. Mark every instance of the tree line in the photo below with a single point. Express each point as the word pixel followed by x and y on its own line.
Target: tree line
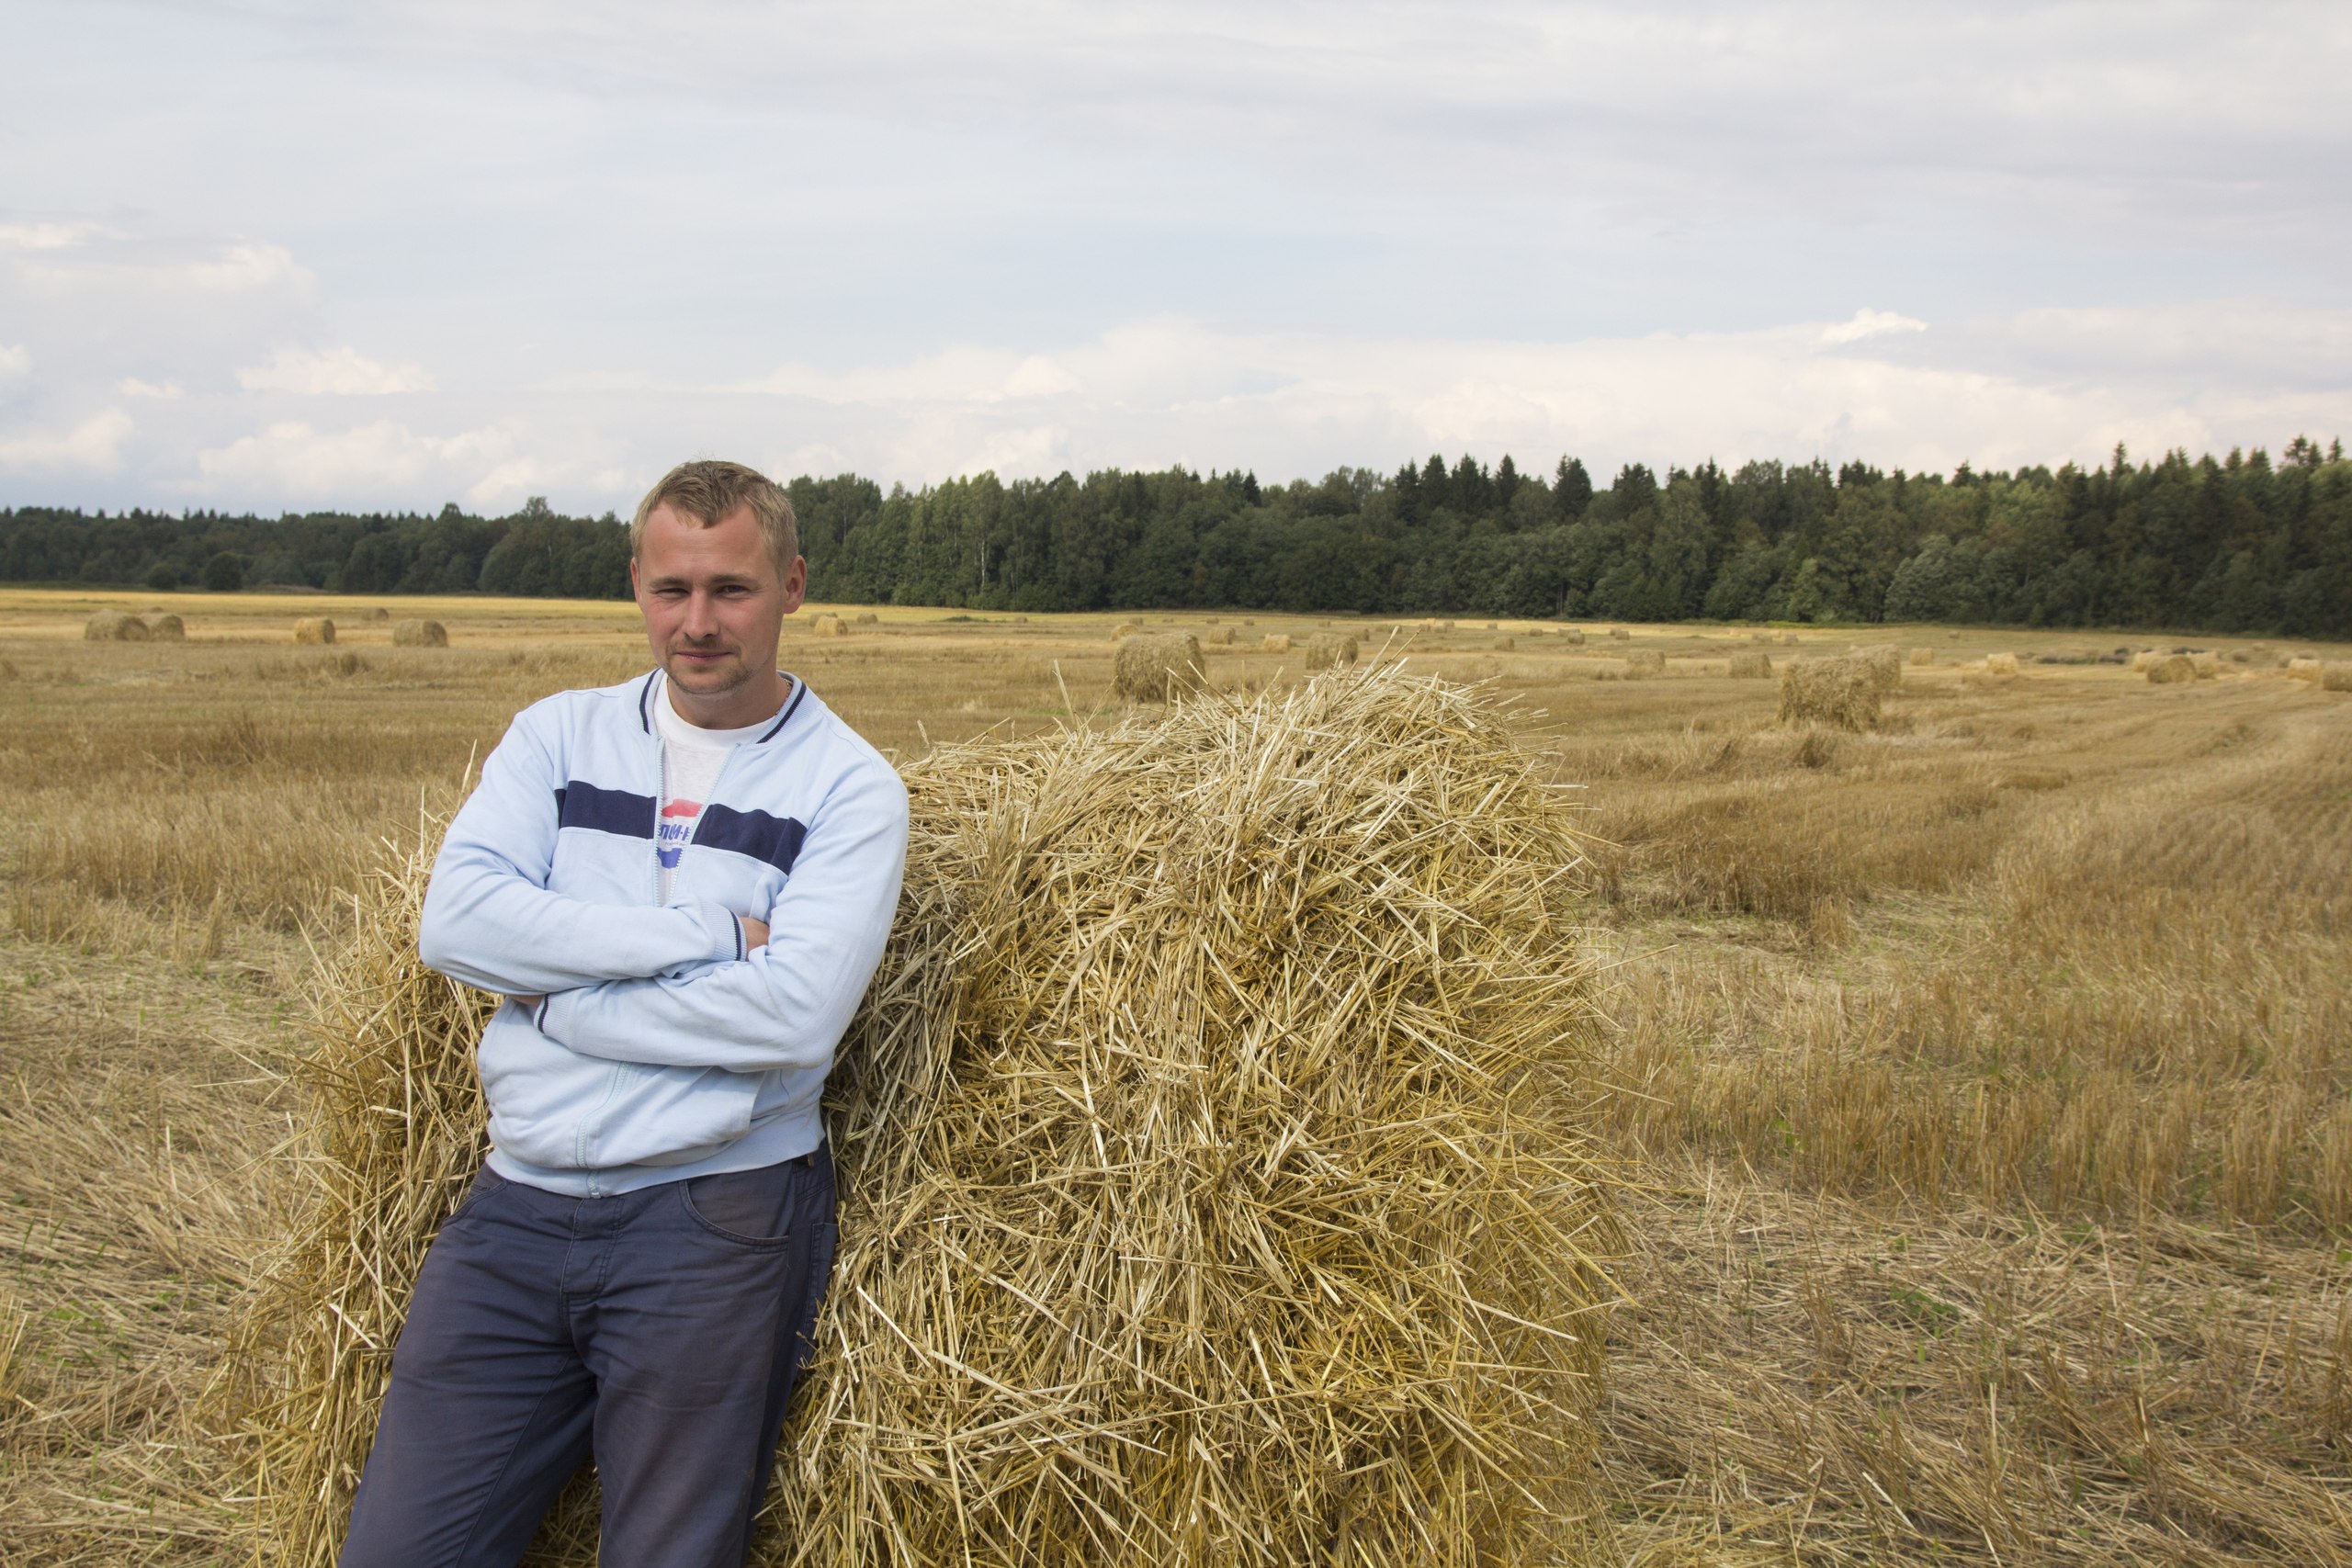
pixel 2240 542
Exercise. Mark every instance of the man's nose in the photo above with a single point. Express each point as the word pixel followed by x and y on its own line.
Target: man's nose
pixel 702 616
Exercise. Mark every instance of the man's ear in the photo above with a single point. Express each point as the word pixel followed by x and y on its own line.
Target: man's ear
pixel 796 584
pixel 635 590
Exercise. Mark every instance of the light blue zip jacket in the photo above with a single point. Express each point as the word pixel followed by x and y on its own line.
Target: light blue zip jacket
pixel 664 1050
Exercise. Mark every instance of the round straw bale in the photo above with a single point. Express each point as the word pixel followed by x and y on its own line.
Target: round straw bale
pixel 377 614
pixel 1445 625
pixel 2170 670
pixel 168 628
pixel 2144 657
pixel 2335 677
pixel 1755 665
pixel 868 618
pixel 1885 661
pixel 828 625
pixel 1151 667
pixel 1761 637
pixel 1125 629
pixel 1619 634
pixel 1327 649
pixel 1505 645
pixel 1198 1207
pixel 114 626
pixel 314 630
pixel 1922 656
pixel 1643 663
pixel 1221 637
pixel 419 634
pixel 2000 664
pixel 2303 667
pixel 1838 691
pixel 2205 663
pixel 1274 642
pixel 1788 640
pixel 1574 635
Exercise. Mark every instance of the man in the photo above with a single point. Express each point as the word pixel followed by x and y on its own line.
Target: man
pixel 682 884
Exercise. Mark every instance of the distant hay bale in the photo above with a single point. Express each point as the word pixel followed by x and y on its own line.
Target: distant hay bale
pixel 1221 637
pixel 868 618
pixel 419 634
pixel 1755 666
pixel 1643 663
pixel 1505 645
pixel 314 630
pixel 1919 657
pixel 2303 667
pixel 1619 634
pixel 1885 661
pixel 2207 664
pixel 1151 667
pixel 1327 651
pixel 1125 629
pixel 1574 635
pixel 2000 664
pixel 1788 640
pixel 1838 691
pixel 2143 659
pixel 2337 677
pixel 2171 670
pixel 114 626
pixel 168 628
pixel 828 625
pixel 1761 637
pixel 378 614
pixel 1196 1207
pixel 1274 642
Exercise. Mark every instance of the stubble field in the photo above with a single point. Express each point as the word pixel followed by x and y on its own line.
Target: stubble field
pixel 1980 1083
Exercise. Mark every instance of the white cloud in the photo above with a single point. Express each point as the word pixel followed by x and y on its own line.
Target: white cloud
pixel 48 236
pixel 16 362
pixel 95 444
pixel 964 373
pixel 133 387
pixel 365 465
pixel 336 372
pixel 1868 322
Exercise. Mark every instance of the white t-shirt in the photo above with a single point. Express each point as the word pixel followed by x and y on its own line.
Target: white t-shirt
pixel 691 758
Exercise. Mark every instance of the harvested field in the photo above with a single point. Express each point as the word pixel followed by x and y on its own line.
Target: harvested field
pixel 1980 1079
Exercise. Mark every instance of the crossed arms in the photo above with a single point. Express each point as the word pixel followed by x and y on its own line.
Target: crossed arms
pixel 690 985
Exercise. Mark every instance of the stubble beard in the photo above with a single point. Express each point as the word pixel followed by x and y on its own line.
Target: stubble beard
pixel 709 681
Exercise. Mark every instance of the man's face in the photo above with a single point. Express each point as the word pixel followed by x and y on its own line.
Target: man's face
pixel 713 601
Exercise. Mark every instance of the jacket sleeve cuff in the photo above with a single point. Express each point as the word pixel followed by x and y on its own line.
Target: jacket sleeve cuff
pixel 552 1016
pixel 726 931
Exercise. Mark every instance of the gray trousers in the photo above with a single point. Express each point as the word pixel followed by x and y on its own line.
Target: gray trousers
pixel 659 1332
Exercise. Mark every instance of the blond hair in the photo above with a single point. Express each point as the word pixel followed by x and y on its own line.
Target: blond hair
pixel 709 489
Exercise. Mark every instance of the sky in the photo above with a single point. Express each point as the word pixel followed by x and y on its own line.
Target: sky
pixel 278 255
